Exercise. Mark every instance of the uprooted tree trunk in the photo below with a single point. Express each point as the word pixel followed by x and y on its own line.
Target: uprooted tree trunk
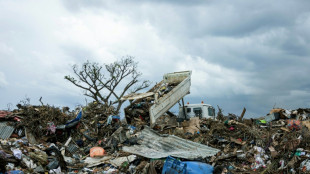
pixel 108 83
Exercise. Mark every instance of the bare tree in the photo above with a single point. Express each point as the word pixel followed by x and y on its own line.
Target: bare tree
pixel 103 82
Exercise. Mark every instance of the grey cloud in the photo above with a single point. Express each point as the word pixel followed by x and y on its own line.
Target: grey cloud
pixel 265 43
pixel 76 6
pixel 77 52
pixel 296 46
pixel 199 18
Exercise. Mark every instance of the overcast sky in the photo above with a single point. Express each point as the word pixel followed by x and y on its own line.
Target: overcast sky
pixel 253 54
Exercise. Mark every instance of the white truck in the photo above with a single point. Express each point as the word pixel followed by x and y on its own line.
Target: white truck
pixel 165 94
pixel 196 110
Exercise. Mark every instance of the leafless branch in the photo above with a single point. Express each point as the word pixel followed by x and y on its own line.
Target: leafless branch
pixel 94 79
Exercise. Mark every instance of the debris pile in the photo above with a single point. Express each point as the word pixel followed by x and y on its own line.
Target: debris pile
pixel 271 144
pixel 139 109
pixel 148 107
pixel 36 119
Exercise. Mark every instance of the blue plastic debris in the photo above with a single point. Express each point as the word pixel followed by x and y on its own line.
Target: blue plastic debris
pixel 131 129
pixel 116 117
pixel 15 172
pixel 174 166
pixel 198 167
pixel 77 118
pixel 113 117
pixel 74 121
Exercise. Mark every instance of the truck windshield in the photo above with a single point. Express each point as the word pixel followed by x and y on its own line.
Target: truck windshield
pixel 211 111
pixel 197 111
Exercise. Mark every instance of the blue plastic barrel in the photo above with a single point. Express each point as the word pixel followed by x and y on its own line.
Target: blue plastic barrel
pixel 198 167
pixel 174 166
pixel 15 172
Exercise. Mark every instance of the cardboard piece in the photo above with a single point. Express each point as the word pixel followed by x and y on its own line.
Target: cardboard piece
pixel 192 125
pixel 273 152
pixel 237 141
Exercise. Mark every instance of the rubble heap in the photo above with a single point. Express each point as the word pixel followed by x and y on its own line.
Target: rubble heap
pixel 92 139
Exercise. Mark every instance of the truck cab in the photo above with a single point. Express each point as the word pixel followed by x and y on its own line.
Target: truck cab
pixel 197 110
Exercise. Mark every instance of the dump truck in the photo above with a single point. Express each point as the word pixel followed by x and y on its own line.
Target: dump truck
pixel 160 98
pixel 163 96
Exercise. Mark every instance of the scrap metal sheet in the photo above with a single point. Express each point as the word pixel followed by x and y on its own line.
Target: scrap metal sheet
pixel 5 131
pixel 4 113
pixel 136 96
pixel 72 148
pixel 154 145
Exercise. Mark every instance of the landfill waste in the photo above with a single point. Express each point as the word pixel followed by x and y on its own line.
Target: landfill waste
pixel 94 139
pixel 91 145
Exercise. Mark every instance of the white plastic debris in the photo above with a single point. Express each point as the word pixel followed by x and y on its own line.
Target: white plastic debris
pixel 260 158
pixel 56 171
pixel 110 171
pixel 281 162
pixel 17 153
pixel 305 165
pixel 119 161
pixel 109 121
pixel 29 163
pixel 10 166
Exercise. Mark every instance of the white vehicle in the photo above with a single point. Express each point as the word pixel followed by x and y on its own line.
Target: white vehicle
pixel 196 110
pixel 165 94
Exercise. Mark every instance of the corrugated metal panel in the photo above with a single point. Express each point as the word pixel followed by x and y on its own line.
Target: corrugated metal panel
pixel 5 131
pixel 3 123
pixel 72 148
pixel 153 145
